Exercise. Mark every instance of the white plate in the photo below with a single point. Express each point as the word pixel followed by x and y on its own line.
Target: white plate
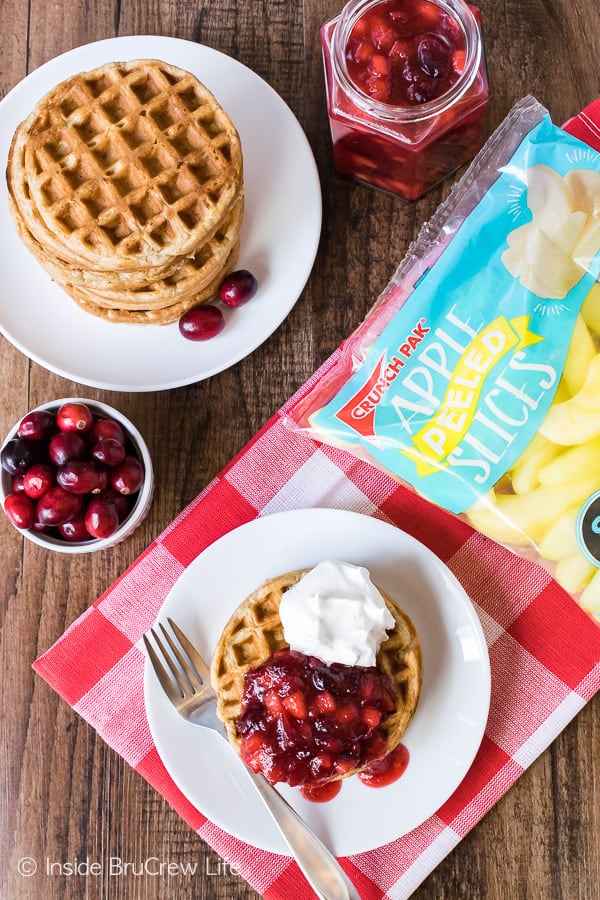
pixel 442 738
pixel 279 238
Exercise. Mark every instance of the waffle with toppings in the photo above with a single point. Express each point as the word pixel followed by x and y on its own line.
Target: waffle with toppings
pixel 253 635
pixel 126 183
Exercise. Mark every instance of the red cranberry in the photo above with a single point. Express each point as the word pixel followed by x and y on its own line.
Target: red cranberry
pixel 127 477
pixel 108 428
pixel 17 484
pixel 81 477
pixel 74 529
pixel 18 455
pixel 108 451
pixel 201 323
pixel 101 517
pixel 37 480
pixel 43 529
pixel 238 287
pixel 57 506
pixel 66 447
pixel 20 510
pixel 123 502
pixel 36 426
pixel 74 417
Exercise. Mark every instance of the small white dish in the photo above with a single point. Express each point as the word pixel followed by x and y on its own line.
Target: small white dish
pixel 279 238
pixel 442 738
pixel 140 507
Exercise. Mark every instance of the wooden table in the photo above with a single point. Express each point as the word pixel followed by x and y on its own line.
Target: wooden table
pixel 66 795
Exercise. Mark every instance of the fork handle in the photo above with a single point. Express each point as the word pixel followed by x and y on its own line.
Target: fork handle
pixel 318 865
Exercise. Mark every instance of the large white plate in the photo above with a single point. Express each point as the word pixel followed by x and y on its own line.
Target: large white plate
pixel 442 738
pixel 279 238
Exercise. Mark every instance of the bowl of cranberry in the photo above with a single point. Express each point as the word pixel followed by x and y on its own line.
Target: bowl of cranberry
pixel 76 476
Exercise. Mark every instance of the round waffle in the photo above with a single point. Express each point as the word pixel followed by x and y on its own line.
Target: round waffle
pixel 254 632
pixel 128 165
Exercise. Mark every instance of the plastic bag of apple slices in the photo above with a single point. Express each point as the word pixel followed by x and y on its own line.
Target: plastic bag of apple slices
pixel 475 378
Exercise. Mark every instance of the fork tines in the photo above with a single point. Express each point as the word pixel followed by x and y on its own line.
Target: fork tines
pixel 188 671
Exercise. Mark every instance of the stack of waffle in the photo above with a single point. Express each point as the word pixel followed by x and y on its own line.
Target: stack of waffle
pixel 126 184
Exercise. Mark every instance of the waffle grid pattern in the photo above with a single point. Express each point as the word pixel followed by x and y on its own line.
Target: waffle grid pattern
pixel 139 164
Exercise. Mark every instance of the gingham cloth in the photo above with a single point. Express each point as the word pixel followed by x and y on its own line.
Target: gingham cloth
pixel 544 650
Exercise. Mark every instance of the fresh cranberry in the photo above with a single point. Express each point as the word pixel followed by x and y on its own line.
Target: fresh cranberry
pixel 101 517
pixel 108 428
pixel 74 530
pixel 43 529
pixel 57 506
pixel 36 426
pixel 37 480
pixel 66 447
pixel 19 454
pixel 238 287
pixel 128 476
pixel 123 502
pixel 17 484
pixel 20 510
pixel 81 477
pixel 202 323
pixel 74 417
pixel 304 722
pixel 108 451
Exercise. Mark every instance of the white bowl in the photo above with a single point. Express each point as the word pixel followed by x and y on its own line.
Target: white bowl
pixel 143 499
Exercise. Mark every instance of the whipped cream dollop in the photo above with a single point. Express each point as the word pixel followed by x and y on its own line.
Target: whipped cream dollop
pixel 336 613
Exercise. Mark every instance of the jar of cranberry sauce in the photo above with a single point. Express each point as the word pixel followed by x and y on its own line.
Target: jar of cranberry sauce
pixel 406 91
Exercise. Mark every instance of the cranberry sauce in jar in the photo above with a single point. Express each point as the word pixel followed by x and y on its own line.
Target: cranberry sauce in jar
pixel 406 91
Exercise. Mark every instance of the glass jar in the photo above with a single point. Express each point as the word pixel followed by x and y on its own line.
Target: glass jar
pixel 404 144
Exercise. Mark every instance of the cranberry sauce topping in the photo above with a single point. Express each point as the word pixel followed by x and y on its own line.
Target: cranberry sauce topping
pixel 321 791
pixel 382 772
pixel 405 52
pixel 303 721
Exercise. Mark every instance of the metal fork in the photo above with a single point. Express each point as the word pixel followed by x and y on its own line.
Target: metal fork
pixel 185 680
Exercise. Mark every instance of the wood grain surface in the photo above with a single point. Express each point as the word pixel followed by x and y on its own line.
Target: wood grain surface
pixel 65 794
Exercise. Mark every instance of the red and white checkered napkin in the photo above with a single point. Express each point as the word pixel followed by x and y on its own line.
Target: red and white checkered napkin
pixel 544 650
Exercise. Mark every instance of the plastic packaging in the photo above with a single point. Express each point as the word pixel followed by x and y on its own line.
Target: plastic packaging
pixel 475 378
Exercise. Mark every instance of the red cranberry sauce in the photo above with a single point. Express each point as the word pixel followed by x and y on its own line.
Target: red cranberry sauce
pixel 321 791
pixel 390 768
pixel 405 52
pixel 303 721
